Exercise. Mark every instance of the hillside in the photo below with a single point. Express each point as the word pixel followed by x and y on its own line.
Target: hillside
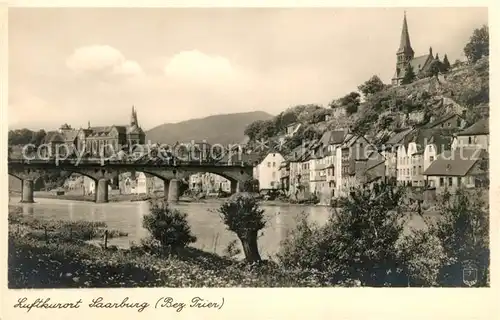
pixel 224 129
pixel 390 109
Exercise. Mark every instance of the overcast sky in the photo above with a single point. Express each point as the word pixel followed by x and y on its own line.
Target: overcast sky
pixel 80 65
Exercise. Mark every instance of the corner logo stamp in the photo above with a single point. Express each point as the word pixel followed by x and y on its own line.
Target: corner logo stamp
pixel 469 273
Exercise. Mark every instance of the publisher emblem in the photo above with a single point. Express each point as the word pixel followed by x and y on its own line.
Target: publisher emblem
pixel 469 274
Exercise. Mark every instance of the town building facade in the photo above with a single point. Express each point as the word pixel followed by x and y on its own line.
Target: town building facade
pixel 268 171
pixel 93 141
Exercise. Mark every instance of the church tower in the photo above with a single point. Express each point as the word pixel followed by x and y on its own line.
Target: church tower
pixel 133 118
pixel 405 52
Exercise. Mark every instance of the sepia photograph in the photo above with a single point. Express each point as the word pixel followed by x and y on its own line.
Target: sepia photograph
pixel 248 147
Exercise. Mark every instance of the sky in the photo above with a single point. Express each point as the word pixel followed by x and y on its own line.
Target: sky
pixel 75 66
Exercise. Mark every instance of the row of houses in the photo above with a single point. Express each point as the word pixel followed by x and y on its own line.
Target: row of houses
pixel 443 154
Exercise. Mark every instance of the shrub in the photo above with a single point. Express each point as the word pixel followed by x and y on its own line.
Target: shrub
pixel 358 243
pixel 242 215
pixel 423 256
pixel 168 226
pixel 463 232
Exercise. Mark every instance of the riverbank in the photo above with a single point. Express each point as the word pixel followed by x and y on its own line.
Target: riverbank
pixel 59 261
pixel 112 197
pixel 115 197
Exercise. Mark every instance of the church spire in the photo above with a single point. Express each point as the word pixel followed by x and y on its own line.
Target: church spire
pixel 133 117
pixel 405 45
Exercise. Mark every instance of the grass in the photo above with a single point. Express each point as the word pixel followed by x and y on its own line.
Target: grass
pixel 70 262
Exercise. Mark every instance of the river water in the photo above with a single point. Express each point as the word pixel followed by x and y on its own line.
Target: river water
pixel 203 218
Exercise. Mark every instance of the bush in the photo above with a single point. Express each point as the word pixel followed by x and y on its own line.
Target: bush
pixel 360 242
pixel 464 234
pixel 243 215
pixel 168 226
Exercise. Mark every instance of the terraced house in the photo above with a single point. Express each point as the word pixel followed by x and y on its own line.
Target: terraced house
pixel 466 164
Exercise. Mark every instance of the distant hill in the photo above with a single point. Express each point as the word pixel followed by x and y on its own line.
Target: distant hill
pixel 223 129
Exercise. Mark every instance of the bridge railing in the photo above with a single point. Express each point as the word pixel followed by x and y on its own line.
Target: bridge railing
pixel 100 162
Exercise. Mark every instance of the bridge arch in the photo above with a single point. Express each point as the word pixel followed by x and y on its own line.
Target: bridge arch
pixel 235 185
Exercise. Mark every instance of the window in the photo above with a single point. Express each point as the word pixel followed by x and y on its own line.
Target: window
pixel 449 124
pixel 441 182
pixel 450 181
pixel 431 158
pixel 459 181
pixel 414 170
pixel 269 164
pixel 470 140
pixel 419 170
pixel 272 183
pixel 274 164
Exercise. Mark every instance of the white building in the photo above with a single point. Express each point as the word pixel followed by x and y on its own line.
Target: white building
pixel 417 151
pixel 477 135
pixel 268 171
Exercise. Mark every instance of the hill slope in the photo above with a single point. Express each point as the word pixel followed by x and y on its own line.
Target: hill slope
pixel 223 129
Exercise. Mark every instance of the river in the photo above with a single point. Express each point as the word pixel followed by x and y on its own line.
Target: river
pixel 203 218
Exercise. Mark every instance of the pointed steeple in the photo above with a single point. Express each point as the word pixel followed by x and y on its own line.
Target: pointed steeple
pixel 430 52
pixel 133 118
pixel 404 44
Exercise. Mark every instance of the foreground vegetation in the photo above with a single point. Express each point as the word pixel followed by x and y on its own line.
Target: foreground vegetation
pixel 362 244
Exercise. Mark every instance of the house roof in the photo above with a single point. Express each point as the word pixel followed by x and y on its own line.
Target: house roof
pixel 440 120
pixel 333 137
pixel 441 138
pixel 479 128
pixel 398 137
pixel 418 64
pixel 70 135
pixel 455 163
pixel 53 136
pixel 132 129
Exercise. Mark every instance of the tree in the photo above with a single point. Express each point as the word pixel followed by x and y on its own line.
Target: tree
pixel 359 242
pixel 457 63
pixel 20 136
pixel 168 226
pixel 478 45
pixel 310 133
pixel 435 67
pixel 38 137
pixel 446 64
pixel 350 102
pixel 243 216
pixel 409 76
pixel 254 129
pixel 463 231
pixel 319 115
pixel 371 86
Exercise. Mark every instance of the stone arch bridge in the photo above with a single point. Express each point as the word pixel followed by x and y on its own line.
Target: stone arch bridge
pixel 103 171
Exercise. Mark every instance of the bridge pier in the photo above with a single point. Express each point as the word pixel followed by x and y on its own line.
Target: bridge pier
pixel 173 190
pixel 166 186
pixel 101 194
pixel 27 192
pixel 236 186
